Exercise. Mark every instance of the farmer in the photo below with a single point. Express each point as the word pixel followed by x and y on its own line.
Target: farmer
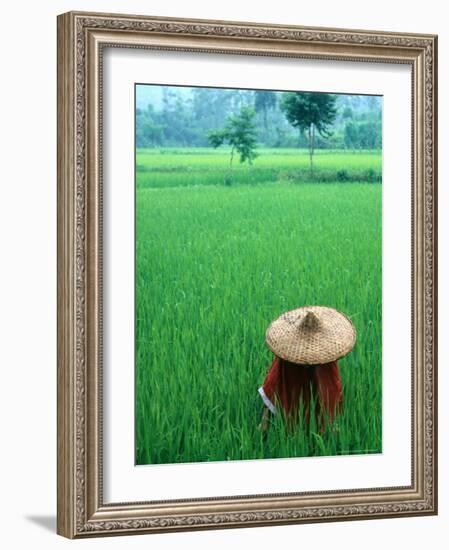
pixel 307 342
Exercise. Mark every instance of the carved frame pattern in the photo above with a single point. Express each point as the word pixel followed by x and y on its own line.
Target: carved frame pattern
pixel 81 37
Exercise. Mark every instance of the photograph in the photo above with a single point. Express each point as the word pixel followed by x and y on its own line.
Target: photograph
pixel 258 274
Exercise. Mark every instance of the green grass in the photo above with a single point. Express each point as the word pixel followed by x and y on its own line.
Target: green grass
pixel 187 167
pixel 214 265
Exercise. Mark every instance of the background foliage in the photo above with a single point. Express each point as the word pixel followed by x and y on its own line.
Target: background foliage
pixel 182 116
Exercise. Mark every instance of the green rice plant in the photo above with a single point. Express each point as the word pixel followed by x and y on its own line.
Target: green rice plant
pixel 214 265
pixel 173 168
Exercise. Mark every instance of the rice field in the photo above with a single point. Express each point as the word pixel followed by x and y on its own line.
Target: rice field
pixel 196 166
pixel 217 258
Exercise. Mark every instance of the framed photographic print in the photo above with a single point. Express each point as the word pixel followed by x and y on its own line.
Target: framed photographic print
pixel 246 274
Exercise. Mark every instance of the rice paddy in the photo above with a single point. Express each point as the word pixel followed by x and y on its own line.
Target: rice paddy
pixel 220 252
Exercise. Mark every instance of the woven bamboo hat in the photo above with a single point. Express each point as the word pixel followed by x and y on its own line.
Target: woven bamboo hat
pixel 311 335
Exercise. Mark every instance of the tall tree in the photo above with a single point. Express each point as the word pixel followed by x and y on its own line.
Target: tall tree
pixel 310 112
pixel 240 132
pixel 263 102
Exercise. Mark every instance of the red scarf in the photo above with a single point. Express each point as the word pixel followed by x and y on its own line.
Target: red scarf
pixel 289 383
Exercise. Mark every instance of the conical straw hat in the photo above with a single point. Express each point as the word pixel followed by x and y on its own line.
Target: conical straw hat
pixel 311 335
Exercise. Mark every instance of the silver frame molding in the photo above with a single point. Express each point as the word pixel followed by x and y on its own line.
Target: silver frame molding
pixel 81 39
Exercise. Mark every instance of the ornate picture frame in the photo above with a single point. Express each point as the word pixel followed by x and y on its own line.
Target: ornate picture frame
pixel 82 39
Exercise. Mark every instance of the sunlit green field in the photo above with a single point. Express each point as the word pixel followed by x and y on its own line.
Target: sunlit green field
pixel 216 260
pixel 195 166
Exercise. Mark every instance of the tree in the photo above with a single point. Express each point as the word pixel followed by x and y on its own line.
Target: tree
pixel 263 102
pixel 240 132
pixel 363 134
pixel 310 112
pixel 149 128
pixel 348 113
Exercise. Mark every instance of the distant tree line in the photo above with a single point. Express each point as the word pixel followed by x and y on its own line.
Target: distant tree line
pixel 187 118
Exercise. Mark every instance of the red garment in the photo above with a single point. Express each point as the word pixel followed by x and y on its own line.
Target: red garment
pixel 289 383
